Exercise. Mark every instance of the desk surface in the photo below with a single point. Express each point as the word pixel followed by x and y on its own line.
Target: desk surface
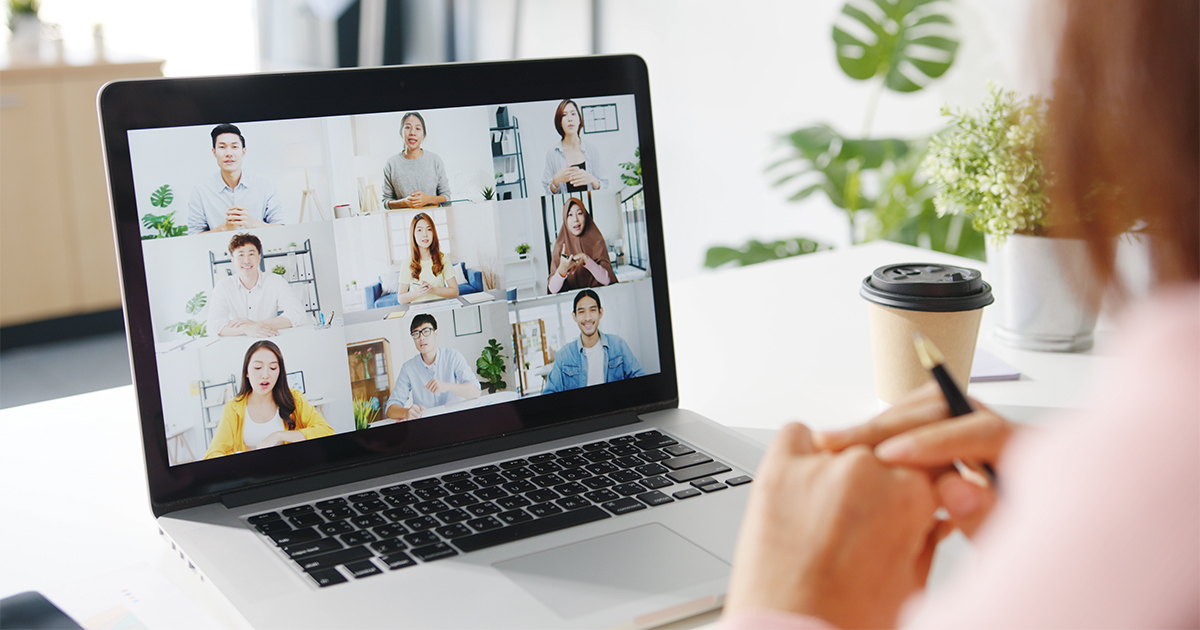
pixel 73 480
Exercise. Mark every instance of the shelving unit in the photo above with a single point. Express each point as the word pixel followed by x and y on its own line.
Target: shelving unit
pixel 531 349
pixel 501 160
pixel 301 274
pixel 214 396
pixel 378 383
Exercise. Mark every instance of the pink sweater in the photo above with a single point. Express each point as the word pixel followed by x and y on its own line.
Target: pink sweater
pixel 1099 523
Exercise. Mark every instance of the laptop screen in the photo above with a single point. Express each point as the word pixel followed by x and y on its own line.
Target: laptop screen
pixel 399 272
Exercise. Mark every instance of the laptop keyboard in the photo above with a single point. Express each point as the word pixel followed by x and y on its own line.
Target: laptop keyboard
pixel 397 526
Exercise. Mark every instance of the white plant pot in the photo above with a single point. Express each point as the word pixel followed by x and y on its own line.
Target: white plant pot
pixel 24 46
pixel 1046 296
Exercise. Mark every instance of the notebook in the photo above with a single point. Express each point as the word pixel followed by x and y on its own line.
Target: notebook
pixel 453 403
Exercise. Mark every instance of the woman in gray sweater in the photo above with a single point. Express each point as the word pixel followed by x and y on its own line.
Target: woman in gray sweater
pixel 414 178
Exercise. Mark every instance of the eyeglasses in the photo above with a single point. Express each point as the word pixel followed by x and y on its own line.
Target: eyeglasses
pixel 424 332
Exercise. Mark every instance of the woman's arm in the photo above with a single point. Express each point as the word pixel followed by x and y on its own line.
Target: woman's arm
pixel 308 419
pixel 228 435
pixel 449 286
pixel 599 272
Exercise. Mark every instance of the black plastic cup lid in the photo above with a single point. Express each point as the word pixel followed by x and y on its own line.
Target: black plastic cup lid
pixel 927 287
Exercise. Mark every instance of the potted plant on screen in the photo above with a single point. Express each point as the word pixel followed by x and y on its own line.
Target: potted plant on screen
pixel 490 366
pixel 522 250
pixel 989 166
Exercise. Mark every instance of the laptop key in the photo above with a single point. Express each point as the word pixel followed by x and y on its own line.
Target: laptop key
pixel 703 481
pixel 450 532
pixel 545 468
pixel 598 456
pixel 335 528
pixel 624 450
pixel 367 521
pixel 461 500
pixel 485 524
pixel 623 506
pixel 679 449
pixel 567 452
pixel 398 561
pixel 431 507
pixel 404 498
pixel 420 539
pixel 515 487
pixel 400 513
pixel 390 531
pixel 262 518
pixel 293 511
pixel 654 442
pixel 295 536
pixel 333 558
pixel 396 489
pixel 545 481
pixel 363 569
pixel 629 489
pixel 602 468
pixel 595 446
pixel 739 480
pixel 491 479
pixel 517 474
pixel 354 539
pixel 696 472
pixel 573 503
pixel 390 545
pixel 460 486
pixel 337 512
pixel 456 515
pixel 624 439
pixel 654 497
pixel 323 545
pixel 536 527
pixel 570 488
pixel 598 482
pixel 541 496
pixel 713 487
pixel 685 461
pixel 485 470
pixel 421 523
pixel 484 509
pixel 647 434
pixel 544 509
pixel 654 483
pixel 512 463
pixel 426 483
pixel 271 527
pixel 654 455
pixel 432 492
pixel 651 470
pixel 575 474
pixel 600 496
pixel 625 476
pixel 370 505
pixel 512 503
pixel 328 577
pixel 628 462
pixel 456 476
pixel 329 503
pixel 437 551
pixel 512 517
pixel 686 493
pixel 573 461
pixel 363 496
pixel 544 457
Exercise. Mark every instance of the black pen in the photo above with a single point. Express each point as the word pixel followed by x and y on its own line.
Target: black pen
pixel 980 474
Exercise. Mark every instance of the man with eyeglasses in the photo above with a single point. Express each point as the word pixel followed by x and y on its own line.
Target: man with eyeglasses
pixel 433 378
pixel 595 357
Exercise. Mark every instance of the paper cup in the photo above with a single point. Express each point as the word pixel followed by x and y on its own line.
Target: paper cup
pixel 943 302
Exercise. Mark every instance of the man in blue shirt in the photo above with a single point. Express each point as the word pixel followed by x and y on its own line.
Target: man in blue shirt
pixel 433 378
pixel 230 199
pixel 595 357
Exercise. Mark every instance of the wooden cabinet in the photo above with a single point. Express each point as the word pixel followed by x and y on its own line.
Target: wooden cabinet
pixel 371 372
pixel 56 246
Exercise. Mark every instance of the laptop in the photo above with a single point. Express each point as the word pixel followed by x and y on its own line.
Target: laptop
pixel 402 347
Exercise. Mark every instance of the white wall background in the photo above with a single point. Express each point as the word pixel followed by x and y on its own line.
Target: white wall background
pixel 178 268
pixel 493 319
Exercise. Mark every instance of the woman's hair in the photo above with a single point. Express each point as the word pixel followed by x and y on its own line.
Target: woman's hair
pixel 435 252
pixel 424 129
pixel 561 111
pixel 281 393
pixel 571 201
pixel 1126 145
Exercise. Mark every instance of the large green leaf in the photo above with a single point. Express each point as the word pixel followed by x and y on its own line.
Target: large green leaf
pixel 162 197
pixel 827 161
pixel 908 42
pixel 755 252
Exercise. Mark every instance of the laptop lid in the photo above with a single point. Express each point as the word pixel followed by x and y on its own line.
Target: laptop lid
pixel 477 247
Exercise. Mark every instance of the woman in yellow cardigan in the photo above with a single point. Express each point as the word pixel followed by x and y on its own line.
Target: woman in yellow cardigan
pixel 266 412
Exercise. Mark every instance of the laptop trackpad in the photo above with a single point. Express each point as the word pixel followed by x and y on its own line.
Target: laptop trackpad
pixel 612 570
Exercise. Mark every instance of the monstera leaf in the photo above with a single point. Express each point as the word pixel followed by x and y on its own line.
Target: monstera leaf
pixel 908 42
pixel 162 197
pixel 837 162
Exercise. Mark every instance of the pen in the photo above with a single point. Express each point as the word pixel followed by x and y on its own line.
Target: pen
pixel 982 474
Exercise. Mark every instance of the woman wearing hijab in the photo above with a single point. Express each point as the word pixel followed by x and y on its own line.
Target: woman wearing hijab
pixel 579 258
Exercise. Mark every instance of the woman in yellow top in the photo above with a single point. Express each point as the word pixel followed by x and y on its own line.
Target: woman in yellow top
pixel 266 412
pixel 430 275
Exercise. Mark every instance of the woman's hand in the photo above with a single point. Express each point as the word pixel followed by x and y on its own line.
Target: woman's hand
pixel 275 439
pixel 562 176
pixel 918 432
pixel 565 265
pixel 840 536
pixel 579 177
pixel 581 259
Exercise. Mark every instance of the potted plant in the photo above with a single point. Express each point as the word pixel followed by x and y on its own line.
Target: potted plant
pixel 279 270
pixel 522 250
pixel 292 246
pixel 192 327
pixel 365 410
pixel 989 166
pixel 491 367
pixel 488 193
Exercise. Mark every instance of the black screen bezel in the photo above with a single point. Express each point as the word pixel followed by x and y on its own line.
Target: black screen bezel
pixel 156 103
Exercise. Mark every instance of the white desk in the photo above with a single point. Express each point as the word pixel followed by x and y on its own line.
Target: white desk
pixel 73 481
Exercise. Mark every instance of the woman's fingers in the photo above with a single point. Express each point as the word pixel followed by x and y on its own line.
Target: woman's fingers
pixel 968 504
pixel 980 436
pixel 925 405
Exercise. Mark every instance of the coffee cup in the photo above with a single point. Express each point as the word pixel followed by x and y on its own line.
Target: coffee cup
pixel 943 302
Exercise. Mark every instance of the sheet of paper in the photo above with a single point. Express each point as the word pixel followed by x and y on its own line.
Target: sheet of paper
pixel 134 598
pixel 988 367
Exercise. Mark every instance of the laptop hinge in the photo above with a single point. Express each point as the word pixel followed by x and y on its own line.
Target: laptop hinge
pixel 373 470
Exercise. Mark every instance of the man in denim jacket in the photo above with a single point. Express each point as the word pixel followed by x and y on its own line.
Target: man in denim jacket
pixel 595 357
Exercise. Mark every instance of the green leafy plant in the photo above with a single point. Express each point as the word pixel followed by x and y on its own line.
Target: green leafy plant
pixel 21 7
pixel 488 193
pixel 491 367
pixel 192 327
pixel 989 166
pixel 522 249
pixel 366 410
pixel 163 224
pixel 279 269
pixel 632 175
pixel 903 46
